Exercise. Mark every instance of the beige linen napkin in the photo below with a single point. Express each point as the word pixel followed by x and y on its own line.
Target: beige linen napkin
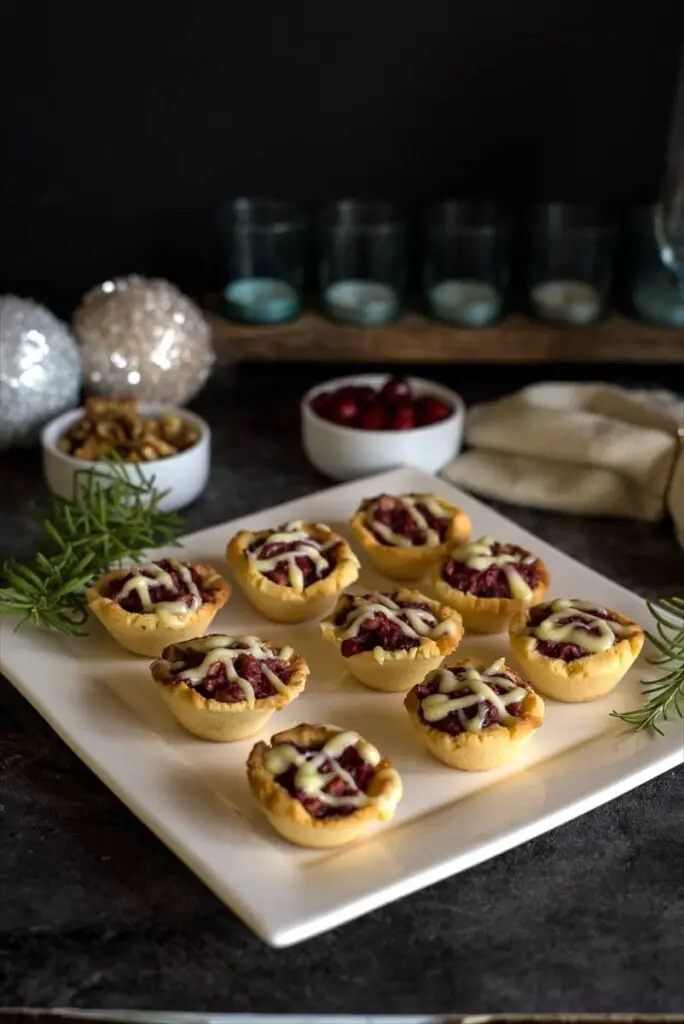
pixel 676 493
pixel 588 449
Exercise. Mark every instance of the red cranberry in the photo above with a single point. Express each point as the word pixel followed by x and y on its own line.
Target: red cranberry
pixel 359 393
pixel 362 395
pixel 402 418
pixel 373 418
pixel 321 403
pixel 344 411
pixel 396 390
pixel 431 410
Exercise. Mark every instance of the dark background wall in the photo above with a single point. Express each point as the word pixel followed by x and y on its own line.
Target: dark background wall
pixel 122 125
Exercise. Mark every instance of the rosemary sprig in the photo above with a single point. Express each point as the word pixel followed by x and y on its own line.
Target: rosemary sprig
pixel 666 693
pixel 112 518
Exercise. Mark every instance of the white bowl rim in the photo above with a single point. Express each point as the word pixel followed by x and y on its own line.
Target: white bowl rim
pixel 440 391
pixel 59 424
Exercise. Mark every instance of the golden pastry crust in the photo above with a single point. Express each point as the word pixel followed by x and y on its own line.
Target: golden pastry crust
pixel 282 603
pixel 397 671
pixel 293 821
pixel 585 679
pixel 408 563
pixel 144 632
pixel 477 751
pixel 216 720
pixel 486 614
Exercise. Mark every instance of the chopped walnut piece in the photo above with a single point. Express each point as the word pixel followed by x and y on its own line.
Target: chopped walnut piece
pixel 92 450
pixel 107 408
pixel 172 427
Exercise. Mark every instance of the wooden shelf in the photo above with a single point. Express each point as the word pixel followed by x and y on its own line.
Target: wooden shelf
pixel 416 339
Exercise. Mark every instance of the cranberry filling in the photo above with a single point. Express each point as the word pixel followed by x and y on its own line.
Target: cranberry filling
pixel 491 582
pixel 280 573
pixel 451 723
pixel 393 514
pixel 564 651
pixel 216 686
pixel 132 603
pixel 351 761
pixel 379 630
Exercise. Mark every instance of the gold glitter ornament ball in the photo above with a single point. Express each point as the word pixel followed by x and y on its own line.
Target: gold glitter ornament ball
pixel 141 337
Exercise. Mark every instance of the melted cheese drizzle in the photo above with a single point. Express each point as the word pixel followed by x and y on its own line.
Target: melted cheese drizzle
pixel 438 705
pixel 217 650
pixel 307 546
pixel 173 614
pixel 311 780
pixel 416 623
pixel 409 503
pixel 478 555
pixel 555 629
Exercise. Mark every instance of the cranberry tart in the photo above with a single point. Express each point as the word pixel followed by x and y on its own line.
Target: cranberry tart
pixel 574 650
pixel 294 573
pixel 472 717
pixel 320 786
pixel 391 641
pixel 405 534
pixel 227 687
pixel 488 583
pixel 150 606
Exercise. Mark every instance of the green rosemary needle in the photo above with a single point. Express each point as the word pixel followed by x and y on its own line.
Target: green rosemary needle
pixel 114 517
pixel 666 693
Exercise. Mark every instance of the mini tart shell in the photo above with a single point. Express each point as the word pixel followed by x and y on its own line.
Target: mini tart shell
pixel 283 604
pixel 410 563
pixel 218 721
pixel 288 816
pixel 477 751
pixel 143 632
pixel 398 671
pixel 585 679
pixel 486 614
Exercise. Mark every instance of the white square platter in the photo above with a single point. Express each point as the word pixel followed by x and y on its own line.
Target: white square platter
pixel 193 795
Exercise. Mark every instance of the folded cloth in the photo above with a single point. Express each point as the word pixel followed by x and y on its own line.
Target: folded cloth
pixel 588 449
pixel 676 493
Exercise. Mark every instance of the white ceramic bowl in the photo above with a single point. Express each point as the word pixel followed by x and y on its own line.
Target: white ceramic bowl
pixel 184 475
pixel 347 453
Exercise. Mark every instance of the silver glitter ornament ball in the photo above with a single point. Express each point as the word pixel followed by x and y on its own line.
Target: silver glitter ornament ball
pixel 40 369
pixel 141 337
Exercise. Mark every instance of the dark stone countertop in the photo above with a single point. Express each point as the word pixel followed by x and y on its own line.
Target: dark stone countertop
pixel 95 912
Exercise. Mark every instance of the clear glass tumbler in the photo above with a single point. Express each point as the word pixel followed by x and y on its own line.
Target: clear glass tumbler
pixel 653 292
pixel 466 262
pixel 571 262
pixel 669 215
pixel 262 254
pixel 362 261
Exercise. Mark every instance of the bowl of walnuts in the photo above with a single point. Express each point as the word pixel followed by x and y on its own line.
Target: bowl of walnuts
pixel 171 445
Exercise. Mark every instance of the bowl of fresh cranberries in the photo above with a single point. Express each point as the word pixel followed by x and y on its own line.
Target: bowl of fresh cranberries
pixel 356 426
